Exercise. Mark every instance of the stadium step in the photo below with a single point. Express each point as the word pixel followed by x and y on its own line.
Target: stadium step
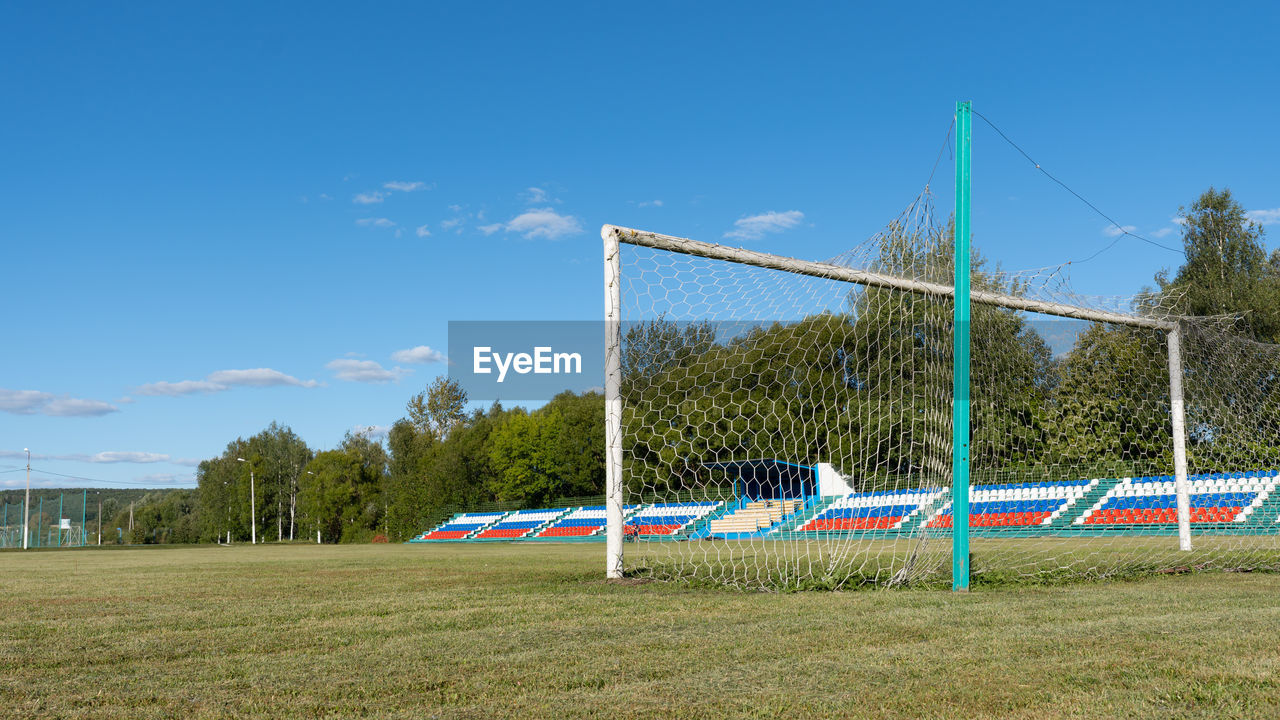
pixel 551 521
pixel 1266 514
pixel 699 529
pixel 924 514
pixel 1086 501
pixel 755 516
pixel 472 535
pixel 799 519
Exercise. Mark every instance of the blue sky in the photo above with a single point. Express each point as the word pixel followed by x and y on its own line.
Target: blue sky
pixel 215 217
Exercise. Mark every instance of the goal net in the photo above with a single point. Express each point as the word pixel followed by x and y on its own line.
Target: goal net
pixel 775 423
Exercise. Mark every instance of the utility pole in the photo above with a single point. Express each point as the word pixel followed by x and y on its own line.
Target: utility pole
pixel 253 508
pixel 26 506
pixel 130 516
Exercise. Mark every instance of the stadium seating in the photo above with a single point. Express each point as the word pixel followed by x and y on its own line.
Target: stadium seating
pixel 755 516
pixel 583 522
pixel 461 526
pixel 1017 504
pixel 667 518
pixel 519 524
pixel 1247 501
pixel 1215 498
pixel 878 510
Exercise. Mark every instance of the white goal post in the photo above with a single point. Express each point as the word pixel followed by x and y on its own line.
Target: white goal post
pixel 614 237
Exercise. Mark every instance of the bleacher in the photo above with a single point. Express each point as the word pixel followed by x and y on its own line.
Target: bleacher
pixel 878 510
pixel 1214 498
pixel 1017 504
pixel 667 518
pixel 519 524
pixel 582 522
pixel 1229 502
pixel 459 527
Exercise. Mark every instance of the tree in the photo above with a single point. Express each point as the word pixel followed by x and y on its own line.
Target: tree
pixel 341 490
pixel 439 408
pixel 407 493
pixel 1227 270
pixel 1110 409
pixel 277 456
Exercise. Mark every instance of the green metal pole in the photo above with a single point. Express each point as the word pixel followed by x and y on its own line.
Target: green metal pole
pixel 39 522
pixel 960 360
pixel 59 543
pixel 84 502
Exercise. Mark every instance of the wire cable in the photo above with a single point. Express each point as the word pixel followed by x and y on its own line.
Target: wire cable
pixel 1123 231
pixel 136 483
pixel 946 143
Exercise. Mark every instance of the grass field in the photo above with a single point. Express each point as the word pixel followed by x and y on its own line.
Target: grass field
pixel 533 632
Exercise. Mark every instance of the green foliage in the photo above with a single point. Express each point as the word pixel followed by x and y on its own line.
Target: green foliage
pixel 440 408
pixel 276 456
pixel 159 517
pixel 1227 271
pixel 341 490
pixel 1111 405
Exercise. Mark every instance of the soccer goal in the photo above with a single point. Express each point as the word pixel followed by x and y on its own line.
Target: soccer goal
pixel 903 414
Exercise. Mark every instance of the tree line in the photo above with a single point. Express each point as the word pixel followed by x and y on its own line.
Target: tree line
pixel 438 458
pixel 859 386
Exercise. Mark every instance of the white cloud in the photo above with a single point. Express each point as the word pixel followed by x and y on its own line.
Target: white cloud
pixel 182 387
pixel 543 223
pixel 77 407
pixel 755 227
pixel 23 402
pixel 34 402
pixel 373 432
pixel 535 196
pixel 165 479
pixel 365 371
pixel 649 203
pixel 402 186
pixel 1265 217
pixel 490 229
pixel 258 377
pixel 109 457
pixel 1178 220
pixel 221 380
pixel 421 355
pixel 455 208
pixel 369 198
pixel 117 456
pixel 378 222
pixel 1113 231
pixel 450 224
pixel 1162 232
pixel 423 231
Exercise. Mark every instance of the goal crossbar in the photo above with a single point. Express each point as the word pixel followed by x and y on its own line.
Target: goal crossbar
pixel 614 235
pixel 829 271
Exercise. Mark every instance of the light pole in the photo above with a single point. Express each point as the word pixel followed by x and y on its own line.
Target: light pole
pixel 253 511
pixel 226 490
pixel 26 506
pixel 317 519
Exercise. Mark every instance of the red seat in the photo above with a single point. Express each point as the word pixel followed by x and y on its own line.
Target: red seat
pixel 446 535
pixel 567 531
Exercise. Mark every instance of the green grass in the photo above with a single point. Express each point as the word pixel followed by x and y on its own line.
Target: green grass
pixel 531 631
